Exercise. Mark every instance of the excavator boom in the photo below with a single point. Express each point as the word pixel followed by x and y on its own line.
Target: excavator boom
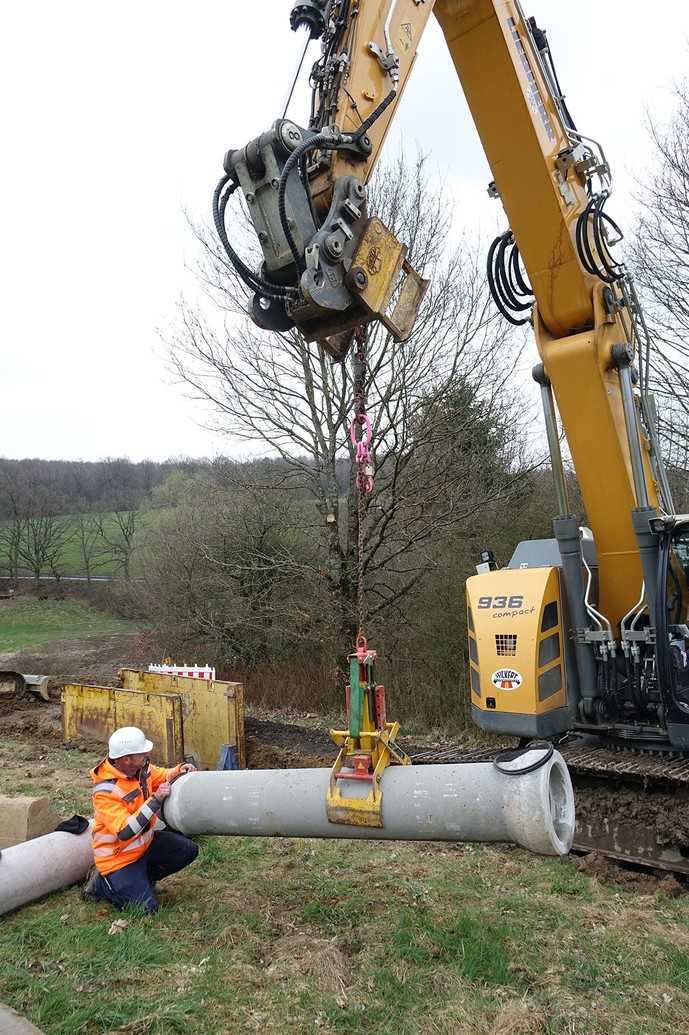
pixel 577 631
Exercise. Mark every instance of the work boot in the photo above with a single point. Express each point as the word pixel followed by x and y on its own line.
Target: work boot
pixel 90 891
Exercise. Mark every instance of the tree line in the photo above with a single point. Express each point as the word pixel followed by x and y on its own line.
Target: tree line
pixel 58 487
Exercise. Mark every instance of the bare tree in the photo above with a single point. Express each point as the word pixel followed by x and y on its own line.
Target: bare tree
pixel 92 550
pixel 44 537
pixel 117 532
pixel 660 257
pixel 10 539
pixel 226 567
pixel 290 397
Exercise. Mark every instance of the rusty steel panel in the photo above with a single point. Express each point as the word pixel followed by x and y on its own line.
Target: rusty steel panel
pixel 212 711
pixel 94 712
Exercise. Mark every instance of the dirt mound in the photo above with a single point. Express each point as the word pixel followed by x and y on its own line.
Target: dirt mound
pixel 32 719
pixel 91 659
pixel 664 812
pixel 608 871
pixel 288 735
pixel 260 755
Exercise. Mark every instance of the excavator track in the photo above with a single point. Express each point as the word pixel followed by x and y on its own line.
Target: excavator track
pixel 632 807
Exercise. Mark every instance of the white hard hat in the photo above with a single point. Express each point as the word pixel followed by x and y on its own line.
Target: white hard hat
pixel 129 740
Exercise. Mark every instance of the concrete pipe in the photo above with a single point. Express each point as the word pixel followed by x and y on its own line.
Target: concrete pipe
pixel 33 868
pixel 469 802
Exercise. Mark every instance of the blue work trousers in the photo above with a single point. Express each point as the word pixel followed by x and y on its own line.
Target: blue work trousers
pixel 169 852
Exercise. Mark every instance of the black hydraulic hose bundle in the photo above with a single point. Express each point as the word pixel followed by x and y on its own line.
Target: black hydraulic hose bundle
pixel 251 279
pixel 511 293
pixel 664 668
pixel 322 141
pixel 592 223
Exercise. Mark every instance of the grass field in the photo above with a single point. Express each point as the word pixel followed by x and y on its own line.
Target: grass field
pixel 25 622
pixel 281 935
pixel 71 559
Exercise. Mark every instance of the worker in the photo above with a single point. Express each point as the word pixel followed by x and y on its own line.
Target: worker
pixel 131 851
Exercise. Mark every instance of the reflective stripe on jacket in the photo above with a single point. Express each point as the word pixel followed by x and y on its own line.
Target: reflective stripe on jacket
pixel 124 813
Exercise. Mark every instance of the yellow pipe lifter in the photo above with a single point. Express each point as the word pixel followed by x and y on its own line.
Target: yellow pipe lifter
pixel 367 747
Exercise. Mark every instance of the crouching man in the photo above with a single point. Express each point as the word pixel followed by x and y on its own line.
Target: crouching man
pixel 129 852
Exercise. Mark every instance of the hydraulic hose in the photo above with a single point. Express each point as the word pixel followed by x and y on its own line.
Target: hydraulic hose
pixel 504 757
pixel 253 280
pixel 591 220
pixel 505 279
pixel 322 141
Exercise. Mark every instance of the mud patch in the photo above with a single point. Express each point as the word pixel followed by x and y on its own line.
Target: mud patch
pixel 260 755
pixel 32 720
pixel 90 659
pixel 606 870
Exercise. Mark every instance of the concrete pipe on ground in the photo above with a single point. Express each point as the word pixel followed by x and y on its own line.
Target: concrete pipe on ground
pixel 468 802
pixel 33 868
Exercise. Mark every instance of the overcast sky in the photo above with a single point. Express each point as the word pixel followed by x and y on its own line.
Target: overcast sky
pixel 116 118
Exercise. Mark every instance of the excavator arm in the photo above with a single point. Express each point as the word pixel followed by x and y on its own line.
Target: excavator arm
pixel 330 266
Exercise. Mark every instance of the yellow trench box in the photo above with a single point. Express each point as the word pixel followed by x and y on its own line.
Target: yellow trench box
pixel 186 718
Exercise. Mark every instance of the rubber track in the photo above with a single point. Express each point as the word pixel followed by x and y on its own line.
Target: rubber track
pixel 582 758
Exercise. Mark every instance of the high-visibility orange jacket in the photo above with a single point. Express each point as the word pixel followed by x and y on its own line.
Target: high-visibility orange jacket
pixel 124 813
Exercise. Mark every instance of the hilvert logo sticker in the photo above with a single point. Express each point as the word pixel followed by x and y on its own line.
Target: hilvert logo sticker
pixel 506 679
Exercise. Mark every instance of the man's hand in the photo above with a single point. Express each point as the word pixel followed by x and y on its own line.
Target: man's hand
pixel 187 767
pixel 162 792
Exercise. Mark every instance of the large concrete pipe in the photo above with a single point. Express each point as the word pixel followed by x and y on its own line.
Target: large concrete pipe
pixel 43 864
pixel 468 802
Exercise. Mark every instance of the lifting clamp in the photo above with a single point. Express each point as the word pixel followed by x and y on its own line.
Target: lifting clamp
pixel 367 747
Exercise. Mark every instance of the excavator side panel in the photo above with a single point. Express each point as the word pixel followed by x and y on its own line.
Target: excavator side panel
pixel 518 671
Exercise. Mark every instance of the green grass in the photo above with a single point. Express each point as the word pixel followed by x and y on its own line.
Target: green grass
pixel 347 937
pixel 251 939
pixel 25 622
pixel 286 936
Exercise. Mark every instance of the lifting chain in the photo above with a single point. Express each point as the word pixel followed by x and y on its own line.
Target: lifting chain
pixel 368 745
pixel 361 434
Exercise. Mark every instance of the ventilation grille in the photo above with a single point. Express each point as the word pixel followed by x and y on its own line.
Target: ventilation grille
pixel 506 645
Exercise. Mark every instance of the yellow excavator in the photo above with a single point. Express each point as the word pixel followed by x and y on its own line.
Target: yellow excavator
pixel 587 632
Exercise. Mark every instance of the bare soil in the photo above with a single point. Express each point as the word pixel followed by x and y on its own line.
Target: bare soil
pixel 92 659
pixel 667 813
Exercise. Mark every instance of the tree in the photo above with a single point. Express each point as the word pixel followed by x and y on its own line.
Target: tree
pixel 92 550
pixel 41 545
pixel 660 257
pixel 288 396
pixel 227 566
pixel 117 532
